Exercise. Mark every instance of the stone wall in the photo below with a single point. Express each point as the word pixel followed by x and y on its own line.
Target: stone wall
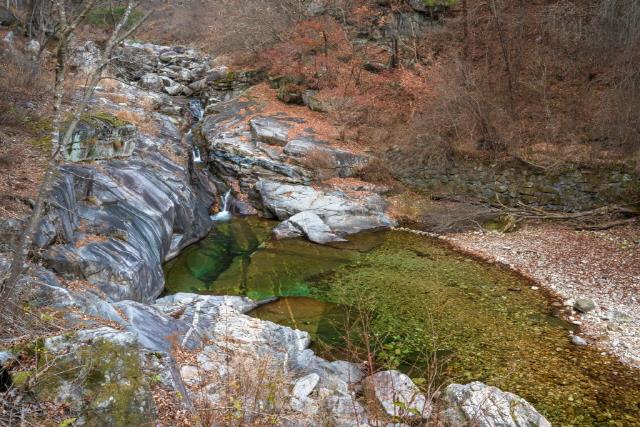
pixel 567 188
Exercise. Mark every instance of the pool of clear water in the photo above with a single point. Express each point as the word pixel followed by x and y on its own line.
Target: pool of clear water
pixel 408 302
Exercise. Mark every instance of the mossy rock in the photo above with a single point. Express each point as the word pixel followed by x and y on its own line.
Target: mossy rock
pixel 101 135
pixel 101 378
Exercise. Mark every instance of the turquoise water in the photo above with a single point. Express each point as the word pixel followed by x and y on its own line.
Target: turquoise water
pixel 411 303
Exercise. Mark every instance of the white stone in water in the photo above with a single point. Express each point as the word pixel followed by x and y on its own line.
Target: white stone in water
pixel 578 340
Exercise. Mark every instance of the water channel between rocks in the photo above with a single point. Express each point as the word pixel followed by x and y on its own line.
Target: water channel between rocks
pixel 428 310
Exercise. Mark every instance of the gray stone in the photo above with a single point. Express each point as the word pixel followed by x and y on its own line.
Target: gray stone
pixel 308 224
pixel 118 392
pixel 487 406
pixel 269 130
pixel 344 163
pixel 101 136
pixel 578 340
pixel 343 214
pixel 174 89
pixel 33 47
pixel 397 394
pixel 305 385
pixel 345 411
pixel 154 329
pixel 134 209
pixel 584 305
pixel 152 81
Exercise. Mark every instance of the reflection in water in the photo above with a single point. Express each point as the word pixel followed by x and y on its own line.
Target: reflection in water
pixel 327 323
pixel 423 300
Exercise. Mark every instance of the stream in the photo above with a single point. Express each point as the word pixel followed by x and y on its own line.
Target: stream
pixel 410 303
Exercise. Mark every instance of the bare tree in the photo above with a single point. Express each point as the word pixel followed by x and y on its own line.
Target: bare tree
pixel 61 139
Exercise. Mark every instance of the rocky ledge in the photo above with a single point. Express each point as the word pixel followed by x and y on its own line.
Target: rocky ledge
pixel 112 222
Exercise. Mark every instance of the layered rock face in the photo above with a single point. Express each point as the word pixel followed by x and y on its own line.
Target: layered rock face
pixel 275 172
pixel 114 222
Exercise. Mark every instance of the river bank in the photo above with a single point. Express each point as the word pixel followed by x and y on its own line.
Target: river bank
pixel 602 267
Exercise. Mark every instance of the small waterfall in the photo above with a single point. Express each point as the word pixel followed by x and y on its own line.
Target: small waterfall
pixel 196 111
pixel 195 107
pixel 197 158
pixel 224 214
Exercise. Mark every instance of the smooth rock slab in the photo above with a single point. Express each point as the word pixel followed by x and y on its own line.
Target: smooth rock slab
pixel 269 130
pixel 484 406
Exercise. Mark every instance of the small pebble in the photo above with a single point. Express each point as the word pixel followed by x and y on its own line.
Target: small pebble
pixel 577 340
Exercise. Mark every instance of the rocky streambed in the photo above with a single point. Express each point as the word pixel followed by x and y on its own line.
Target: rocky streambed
pixel 137 193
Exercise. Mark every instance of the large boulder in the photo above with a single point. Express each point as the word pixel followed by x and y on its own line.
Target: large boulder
pixel 103 377
pixel 135 216
pixel 397 395
pixel 343 163
pixel 306 224
pixel 484 406
pixel 343 213
pixel 152 81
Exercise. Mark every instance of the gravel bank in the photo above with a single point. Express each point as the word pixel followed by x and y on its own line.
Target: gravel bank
pixel 600 266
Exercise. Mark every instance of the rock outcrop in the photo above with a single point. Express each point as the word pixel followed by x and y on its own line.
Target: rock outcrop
pixel 257 156
pixel 484 406
pixel 114 222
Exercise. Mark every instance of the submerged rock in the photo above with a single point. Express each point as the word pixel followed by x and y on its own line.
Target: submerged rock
pixel 485 406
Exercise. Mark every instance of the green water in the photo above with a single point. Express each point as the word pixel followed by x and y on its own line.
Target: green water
pixel 427 310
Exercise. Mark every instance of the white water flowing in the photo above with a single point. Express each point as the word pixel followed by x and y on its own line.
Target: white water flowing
pixel 197 158
pixel 224 214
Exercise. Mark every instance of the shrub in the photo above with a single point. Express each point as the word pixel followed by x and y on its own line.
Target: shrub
pixel 106 17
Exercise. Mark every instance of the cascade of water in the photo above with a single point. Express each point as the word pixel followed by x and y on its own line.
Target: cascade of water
pixel 195 106
pixel 197 158
pixel 224 214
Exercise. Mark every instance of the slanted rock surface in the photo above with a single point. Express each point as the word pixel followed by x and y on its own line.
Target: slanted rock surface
pixel 485 406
